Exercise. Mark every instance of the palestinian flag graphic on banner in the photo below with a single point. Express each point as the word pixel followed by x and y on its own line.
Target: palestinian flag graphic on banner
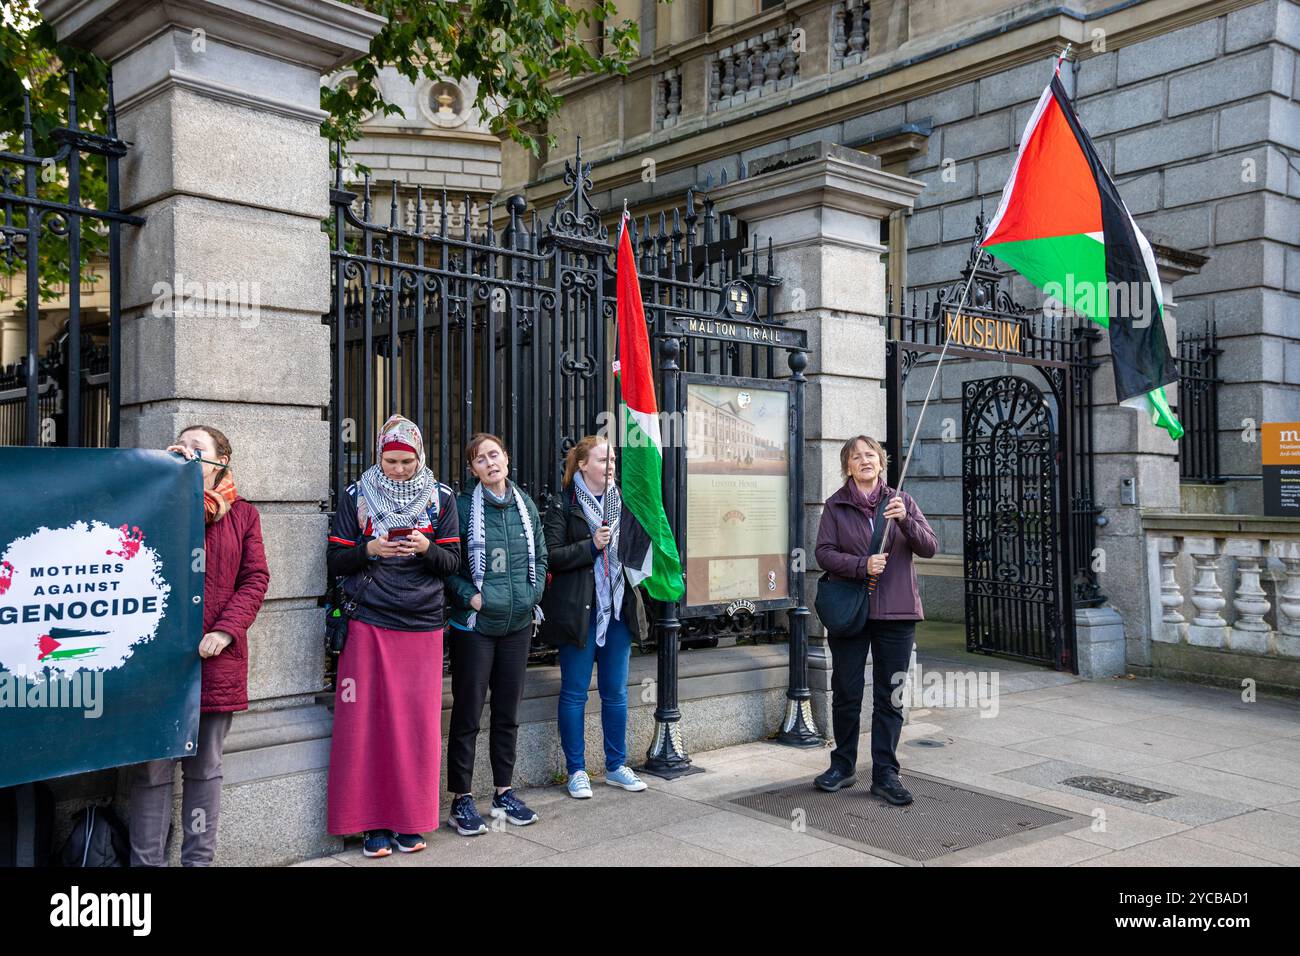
pixel 1062 225
pixel 649 553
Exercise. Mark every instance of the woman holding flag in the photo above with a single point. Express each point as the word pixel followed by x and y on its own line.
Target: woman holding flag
pixel 590 610
pixel 854 545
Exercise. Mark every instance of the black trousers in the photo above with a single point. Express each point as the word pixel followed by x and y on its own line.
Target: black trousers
pixel 480 663
pixel 890 644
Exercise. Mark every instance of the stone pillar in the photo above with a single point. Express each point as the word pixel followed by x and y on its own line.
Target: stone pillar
pixel 1135 470
pixel 222 298
pixel 822 205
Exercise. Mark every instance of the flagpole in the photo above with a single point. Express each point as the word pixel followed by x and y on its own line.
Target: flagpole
pixel 907 460
pixel 604 504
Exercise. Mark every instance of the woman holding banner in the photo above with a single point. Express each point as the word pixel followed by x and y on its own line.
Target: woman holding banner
pixel 396 537
pixel 590 610
pixel 853 546
pixel 503 573
pixel 234 585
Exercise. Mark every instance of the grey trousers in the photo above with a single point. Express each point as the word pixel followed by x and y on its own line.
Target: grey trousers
pixel 151 800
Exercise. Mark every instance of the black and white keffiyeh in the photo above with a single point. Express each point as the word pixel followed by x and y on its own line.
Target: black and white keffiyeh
pixel 476 544
pixel 609 569
pixel 397 504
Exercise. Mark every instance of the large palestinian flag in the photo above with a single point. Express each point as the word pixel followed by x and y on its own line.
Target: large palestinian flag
pixel 1063 226
pixel 649 556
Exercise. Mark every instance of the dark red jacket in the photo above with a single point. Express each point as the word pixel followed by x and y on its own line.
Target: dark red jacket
pixel 233 589
pixel 844 541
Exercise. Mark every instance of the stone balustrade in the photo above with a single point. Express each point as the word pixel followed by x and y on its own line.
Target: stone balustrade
pixel 850 32
pixel 1225 583
pixel 668 98
pixel 756 65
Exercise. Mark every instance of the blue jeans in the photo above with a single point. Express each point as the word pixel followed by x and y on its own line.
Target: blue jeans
pixel 611 682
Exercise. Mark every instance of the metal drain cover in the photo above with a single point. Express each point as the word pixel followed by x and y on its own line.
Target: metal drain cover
pixel 942 819
pixel 1108 786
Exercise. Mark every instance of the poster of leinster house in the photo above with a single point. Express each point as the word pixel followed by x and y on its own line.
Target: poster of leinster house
pixel 737 492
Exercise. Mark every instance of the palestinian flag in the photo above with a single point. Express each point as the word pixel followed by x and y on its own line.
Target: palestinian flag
pixel 58 644
pixel 1063 226
pixel 649 556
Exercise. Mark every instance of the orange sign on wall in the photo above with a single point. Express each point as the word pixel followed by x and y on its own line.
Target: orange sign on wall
pixel 1281 468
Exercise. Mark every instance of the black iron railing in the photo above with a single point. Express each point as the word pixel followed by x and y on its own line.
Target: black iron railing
pixel 69 394
pixel 1198 404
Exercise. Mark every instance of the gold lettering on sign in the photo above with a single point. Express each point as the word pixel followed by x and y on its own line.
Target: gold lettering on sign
pixel 979 332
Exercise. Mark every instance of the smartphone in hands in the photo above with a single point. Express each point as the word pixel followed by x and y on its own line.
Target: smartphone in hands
pixel 397 534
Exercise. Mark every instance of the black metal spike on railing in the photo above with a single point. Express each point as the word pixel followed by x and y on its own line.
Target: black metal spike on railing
pixel 392 209
pixel 419 210
pixel 365 200
pixel 112 108
pixel 27 123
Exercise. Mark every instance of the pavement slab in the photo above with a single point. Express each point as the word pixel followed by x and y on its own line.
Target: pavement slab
pixel 1191 807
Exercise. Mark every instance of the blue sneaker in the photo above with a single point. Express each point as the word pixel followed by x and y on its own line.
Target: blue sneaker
pixel 512 808
pixel 377 844
pixel 409 842
pixel 580 785
pixel 465 818
pixel 625 778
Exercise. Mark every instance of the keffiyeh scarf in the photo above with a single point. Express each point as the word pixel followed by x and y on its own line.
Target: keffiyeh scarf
pixel 609 570
pixel 396 504
pixel 476 544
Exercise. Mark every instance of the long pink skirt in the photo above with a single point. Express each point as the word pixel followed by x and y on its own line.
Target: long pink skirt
pixel 387 746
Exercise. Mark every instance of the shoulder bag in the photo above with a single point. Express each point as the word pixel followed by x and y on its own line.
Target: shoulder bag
pixel 844 606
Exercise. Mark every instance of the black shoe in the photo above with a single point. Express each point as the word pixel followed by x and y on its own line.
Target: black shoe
pixel 834 779
pixel 891 788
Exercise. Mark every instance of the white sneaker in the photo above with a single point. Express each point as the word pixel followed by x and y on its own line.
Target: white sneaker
pixel 624 777
pixel 580 785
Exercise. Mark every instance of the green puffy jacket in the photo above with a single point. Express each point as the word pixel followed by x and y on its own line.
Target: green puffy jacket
pixel 508 600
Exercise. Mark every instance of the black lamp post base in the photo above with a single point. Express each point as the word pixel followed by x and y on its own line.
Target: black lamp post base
pixel 799 729
pixel 667 757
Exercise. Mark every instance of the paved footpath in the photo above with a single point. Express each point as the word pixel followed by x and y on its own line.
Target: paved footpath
pixel 1233 769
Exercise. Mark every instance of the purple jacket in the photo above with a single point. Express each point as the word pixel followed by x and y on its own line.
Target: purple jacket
pixel 844 541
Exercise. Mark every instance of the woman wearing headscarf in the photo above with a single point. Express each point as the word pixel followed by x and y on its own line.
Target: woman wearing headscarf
pixel 234 584
pixel 496 592
pixel 853 515
pixel 590 610
pixel 396 536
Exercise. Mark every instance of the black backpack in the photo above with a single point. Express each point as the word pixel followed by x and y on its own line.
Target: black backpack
pixel 97 840
pixel 26 825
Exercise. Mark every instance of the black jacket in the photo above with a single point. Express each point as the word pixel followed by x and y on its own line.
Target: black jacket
pixel 406 593
pixel 571 593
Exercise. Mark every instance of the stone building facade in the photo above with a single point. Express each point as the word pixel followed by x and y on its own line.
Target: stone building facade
pixel 440 141
pixel 1194 108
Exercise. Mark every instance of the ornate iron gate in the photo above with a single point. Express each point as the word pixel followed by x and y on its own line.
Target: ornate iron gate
pixel 1021 589
pixel 1011 502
